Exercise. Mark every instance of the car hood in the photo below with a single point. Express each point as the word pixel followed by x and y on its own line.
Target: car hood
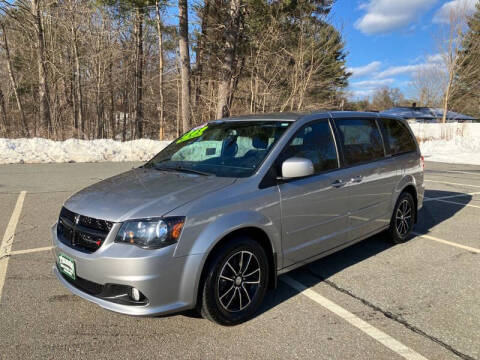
pixel 142 193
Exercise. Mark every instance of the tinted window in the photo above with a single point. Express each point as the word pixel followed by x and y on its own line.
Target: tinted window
pixel 397 137
pixel 361 140
pixel 314 142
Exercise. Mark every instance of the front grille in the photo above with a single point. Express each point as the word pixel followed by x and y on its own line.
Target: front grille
pixel 82 232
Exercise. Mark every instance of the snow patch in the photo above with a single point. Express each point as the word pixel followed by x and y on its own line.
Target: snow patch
pixel 38 150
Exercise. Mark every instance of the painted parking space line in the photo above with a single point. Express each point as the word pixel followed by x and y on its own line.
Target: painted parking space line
pixel 354 320
pixel 7 240
pixel 451 243
pixel 454 172
pixel 451 183
pixel 449 196
pixel 28 251
pixel 455 202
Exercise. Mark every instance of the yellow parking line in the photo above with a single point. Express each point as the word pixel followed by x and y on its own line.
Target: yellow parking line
pixel 28 251
pixel 464 247
pixel 7 241
pixel 383 338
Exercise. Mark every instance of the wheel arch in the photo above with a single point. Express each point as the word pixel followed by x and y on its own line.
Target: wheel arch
pixel 254 233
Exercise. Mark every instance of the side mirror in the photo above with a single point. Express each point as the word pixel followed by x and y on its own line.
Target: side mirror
pixel 296 167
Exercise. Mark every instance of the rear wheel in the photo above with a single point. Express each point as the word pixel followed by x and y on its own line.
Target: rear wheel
pixel 235 283
pixel 403 218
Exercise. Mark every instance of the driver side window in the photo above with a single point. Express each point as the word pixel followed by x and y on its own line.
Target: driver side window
pixel 314 142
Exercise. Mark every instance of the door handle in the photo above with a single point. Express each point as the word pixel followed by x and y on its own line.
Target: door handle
pixel 338 183
pixel 356 179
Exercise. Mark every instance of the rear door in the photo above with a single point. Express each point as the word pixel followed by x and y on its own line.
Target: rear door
pixel 314 209
pixel 371 174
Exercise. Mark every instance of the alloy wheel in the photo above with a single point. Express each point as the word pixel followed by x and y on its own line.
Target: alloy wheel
pixel 403 218
pixel 239 281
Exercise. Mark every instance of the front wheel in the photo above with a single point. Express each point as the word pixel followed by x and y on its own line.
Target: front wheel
pixel 235 283
pixel 403 218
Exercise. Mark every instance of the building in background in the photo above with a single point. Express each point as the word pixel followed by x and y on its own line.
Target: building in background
pixel 427 114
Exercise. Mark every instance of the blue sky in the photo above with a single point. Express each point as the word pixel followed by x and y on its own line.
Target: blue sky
pixel 388 40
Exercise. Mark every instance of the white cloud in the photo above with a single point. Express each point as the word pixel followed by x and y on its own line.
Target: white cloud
pixel 435 58
pixel 454 7
pixel 361 94
pixel 431 61
pixel 364 70
pixel 373 83
pixel 386 15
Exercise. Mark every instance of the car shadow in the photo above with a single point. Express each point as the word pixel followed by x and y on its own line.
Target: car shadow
pixel 431 214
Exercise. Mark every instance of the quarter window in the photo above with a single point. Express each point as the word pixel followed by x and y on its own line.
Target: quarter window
pixel 360 139
pixel 397 137
pixel 314 142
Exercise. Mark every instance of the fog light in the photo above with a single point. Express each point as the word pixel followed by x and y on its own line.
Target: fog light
pixel 135 294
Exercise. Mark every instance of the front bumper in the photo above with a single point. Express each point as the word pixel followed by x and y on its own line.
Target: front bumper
pixel 169 283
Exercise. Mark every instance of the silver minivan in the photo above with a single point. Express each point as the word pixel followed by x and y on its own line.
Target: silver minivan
pixel 213 219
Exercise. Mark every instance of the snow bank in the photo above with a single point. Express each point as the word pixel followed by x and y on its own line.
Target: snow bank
pixel 39 150
pixel 457 143
pixel 458 151
pixel 452 143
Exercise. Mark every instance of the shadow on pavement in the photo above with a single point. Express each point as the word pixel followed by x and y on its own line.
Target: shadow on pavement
pixel 334 263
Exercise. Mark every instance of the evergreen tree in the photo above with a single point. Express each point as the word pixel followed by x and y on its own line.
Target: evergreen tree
pixel 468 78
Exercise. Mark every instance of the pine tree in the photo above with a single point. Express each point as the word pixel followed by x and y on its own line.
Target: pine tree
pixel 468 79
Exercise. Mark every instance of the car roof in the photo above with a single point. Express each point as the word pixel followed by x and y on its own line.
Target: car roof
pixel 293 116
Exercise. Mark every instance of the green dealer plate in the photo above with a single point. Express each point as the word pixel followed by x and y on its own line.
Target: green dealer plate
pixel 66 265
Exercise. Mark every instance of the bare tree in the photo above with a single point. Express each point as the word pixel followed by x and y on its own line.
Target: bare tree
pixel 428 84
pixel 43 89
pixel 184 63
pixel 232 34
pixel 3 113
pixel 161 104
pixel 11 75
pixel 449 44
pixel 139 16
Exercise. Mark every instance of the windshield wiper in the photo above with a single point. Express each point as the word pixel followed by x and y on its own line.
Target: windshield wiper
pixel 183 169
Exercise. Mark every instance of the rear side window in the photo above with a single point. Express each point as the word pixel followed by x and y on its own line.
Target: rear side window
pixel 314 142
pixel 360 139
pixel 397 137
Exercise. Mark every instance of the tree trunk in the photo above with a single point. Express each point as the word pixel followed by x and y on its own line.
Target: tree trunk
pixel 446 97
pixel 198 74
pixel 112 100
pixel 139 72
pixel 11 75
pixel 43 92
pixel 78 88
pixel 3 113
pixel 184 63
pixel 161 105
pixel 231 39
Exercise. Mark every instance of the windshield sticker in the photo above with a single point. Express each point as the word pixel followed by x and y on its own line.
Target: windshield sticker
pixel 194 133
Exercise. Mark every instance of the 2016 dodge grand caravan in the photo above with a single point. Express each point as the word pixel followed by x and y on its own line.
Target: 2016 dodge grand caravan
pixel 215 217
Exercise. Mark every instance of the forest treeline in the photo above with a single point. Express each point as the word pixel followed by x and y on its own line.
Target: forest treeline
pixel 129 69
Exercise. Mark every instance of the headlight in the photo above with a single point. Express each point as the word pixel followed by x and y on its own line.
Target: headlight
pixel 151 234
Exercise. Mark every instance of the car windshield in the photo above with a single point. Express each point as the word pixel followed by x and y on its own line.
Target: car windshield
pixel 226 149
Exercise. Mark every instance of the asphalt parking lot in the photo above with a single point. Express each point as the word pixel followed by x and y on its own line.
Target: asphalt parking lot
pixel 373 300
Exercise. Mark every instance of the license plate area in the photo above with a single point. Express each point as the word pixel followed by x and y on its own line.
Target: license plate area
pixel 66 265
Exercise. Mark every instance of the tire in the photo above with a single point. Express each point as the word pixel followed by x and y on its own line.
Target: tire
pixel 403 218
pixel 235 283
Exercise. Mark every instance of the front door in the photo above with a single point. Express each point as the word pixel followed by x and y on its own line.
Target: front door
pixel 314 209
